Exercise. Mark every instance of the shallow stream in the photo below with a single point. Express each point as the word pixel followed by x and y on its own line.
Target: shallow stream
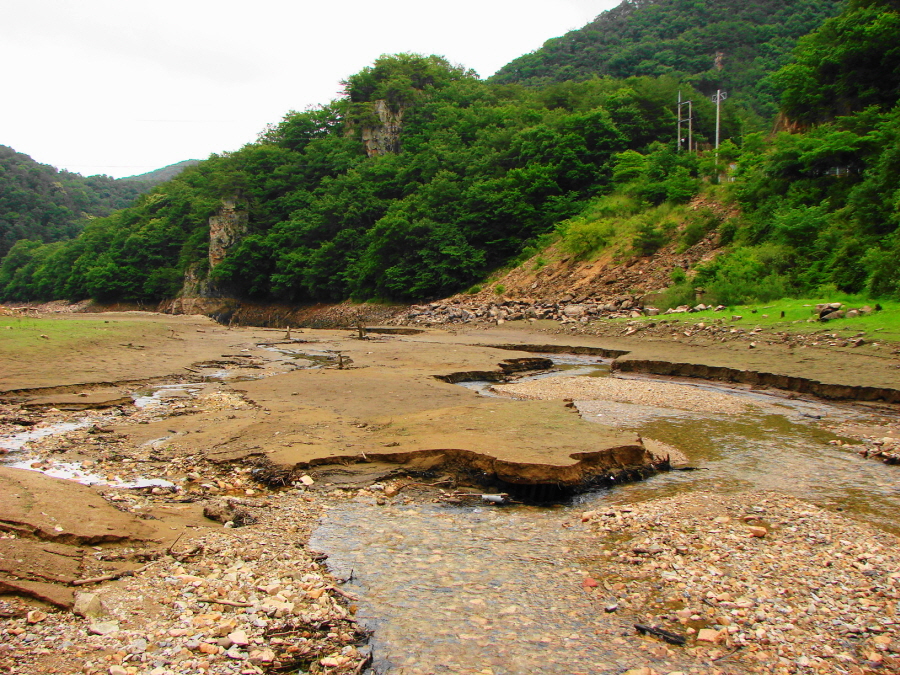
pixel 481 589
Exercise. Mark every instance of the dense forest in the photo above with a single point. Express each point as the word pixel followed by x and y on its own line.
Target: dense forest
pixel 730 44
pixel 41 203
pixel 481 170
pixel 422 179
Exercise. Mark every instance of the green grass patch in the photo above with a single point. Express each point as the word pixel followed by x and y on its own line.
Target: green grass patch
pixel 883 325
pixel 22 335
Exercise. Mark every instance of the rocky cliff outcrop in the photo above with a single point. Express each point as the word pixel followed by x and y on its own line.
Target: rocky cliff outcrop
pixel 226 229
pixel 385 137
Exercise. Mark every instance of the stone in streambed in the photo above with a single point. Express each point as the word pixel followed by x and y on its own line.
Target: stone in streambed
pixel 89 605
pixel 35 616
pixel 262 656
pixel 239 638
pixel 711 636
pixel 104 628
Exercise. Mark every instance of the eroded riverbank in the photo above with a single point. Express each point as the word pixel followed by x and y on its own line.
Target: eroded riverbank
pixel 346 412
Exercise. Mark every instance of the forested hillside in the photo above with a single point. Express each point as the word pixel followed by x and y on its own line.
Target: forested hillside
pixel 38 202
pixel 422 180
pixel 415 184
pixel 730 44
pixel 162 175
pixel 812 212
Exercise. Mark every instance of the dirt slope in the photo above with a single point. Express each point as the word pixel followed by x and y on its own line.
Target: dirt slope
pixel 553 275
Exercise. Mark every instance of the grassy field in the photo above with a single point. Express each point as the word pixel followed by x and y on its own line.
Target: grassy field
pixel 883 325
pixel 23 335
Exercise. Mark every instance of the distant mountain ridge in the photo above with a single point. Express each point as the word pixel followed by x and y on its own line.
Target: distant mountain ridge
pixel 162 175
pixel 43 203
pixel 729 44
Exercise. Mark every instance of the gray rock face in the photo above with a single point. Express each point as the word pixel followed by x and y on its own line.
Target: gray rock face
pixel 226 229
pixel 384 138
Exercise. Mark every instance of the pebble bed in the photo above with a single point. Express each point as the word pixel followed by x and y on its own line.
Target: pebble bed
pixel 759 581
pixel 658 394
pixel 227 600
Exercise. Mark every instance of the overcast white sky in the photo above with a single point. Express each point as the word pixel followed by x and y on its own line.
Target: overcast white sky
pixel 126 86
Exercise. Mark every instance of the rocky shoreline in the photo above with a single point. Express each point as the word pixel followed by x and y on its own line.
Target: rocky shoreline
pixel 226 600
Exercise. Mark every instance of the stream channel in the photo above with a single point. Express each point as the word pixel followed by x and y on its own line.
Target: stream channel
pixel 483 589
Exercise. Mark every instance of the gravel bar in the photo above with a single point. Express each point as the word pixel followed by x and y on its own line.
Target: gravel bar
pixel 756 582
pixel 659 394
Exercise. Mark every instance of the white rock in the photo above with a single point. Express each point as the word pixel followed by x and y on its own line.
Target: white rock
pixel 104 628
pixel 239 638
pixel 89 605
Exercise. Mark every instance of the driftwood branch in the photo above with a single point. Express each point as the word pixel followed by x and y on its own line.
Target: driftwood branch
pixel 229 603
pixel 342 593
pixel 731 653
pixel 671 638
pixel 172 547
pixel 361 666
pixel 113 576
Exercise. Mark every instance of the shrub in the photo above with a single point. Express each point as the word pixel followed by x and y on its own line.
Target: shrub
pixel 700 223
pixel 648 239
pixel 678 294
pixel 584 237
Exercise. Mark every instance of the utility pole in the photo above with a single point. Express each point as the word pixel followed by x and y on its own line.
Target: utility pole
pixel 690 126
pixel 717 98
pixel 689 119
pixel 678 122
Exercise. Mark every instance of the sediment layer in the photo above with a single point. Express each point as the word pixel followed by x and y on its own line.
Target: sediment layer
pixel 587 466
pixel 580 350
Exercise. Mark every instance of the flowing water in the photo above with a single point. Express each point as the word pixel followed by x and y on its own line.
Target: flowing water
pixel 481 589
pixel 14 448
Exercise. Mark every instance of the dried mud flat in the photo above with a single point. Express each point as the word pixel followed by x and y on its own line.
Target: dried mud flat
pixel 199 597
